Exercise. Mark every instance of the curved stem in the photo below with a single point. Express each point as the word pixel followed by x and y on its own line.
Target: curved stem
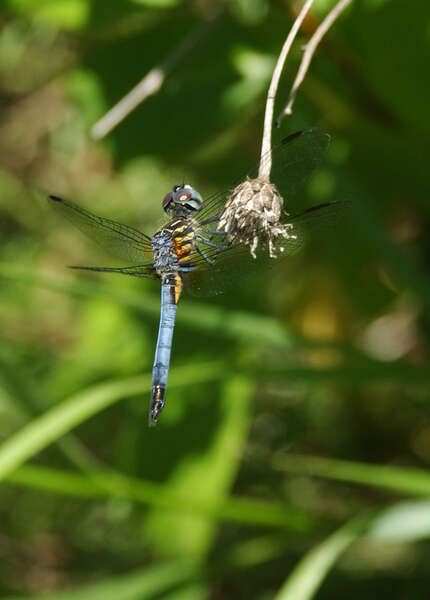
pixel 266 164
pixel 310 48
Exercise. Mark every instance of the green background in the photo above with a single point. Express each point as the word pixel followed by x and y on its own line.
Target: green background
pixel 291 459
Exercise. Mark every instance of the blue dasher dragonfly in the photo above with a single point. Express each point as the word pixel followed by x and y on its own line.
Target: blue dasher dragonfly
pixel 190 251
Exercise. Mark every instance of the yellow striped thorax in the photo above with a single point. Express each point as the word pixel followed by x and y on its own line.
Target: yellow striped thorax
pixel 172 245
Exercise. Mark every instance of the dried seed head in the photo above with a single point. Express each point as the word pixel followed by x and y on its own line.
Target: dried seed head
pixel 251 215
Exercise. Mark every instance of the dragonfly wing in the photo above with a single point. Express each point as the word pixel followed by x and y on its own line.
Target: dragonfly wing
pixel 122 241
pixel 318 216
pixel 236 263
pixel 231 266
pixel 293 160
pixel 137 271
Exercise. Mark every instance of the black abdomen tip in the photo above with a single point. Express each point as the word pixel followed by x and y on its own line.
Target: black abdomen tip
pixel 157 403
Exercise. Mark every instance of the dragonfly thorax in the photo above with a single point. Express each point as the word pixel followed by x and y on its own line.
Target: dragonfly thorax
pixel 165 256
pixel 182 201
pixel 172 244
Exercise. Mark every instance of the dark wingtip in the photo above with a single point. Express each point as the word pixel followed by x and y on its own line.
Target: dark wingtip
pixel 55 198
pixel 291 137
pixel 319 206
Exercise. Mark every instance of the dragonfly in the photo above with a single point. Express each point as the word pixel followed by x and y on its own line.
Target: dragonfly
pixel 190 251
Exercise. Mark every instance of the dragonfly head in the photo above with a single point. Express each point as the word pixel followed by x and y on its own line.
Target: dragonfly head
pixel 182 201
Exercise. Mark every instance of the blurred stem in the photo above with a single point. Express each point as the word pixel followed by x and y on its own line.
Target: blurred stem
pixel 116 485
pixel 408 480
pixel 358 374
pixel 153 80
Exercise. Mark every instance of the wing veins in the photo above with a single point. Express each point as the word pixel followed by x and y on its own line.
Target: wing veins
pixel 95 226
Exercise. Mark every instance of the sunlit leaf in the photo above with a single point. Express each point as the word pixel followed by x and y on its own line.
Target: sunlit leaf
pixel 402 522
pixel 307 576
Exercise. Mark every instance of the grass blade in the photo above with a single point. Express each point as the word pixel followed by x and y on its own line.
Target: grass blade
pixel 142 584
pixel 307 576
pixel 408 480
pixel 115 485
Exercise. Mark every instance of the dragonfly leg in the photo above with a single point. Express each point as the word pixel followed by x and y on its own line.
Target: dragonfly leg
pixel 186 266
pixel 212 232
pixel 214 219
pixel 203 240
pixel 203 255
pixel 211 219
pixel 229 227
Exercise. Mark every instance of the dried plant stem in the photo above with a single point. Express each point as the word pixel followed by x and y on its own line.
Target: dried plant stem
pixel 153 81
pixel 149 85
pixel 310 48
pixel 266 164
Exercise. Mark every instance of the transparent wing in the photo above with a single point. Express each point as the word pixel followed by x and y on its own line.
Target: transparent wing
pixel 122 241
pixel 230 266
pixel 293 160
pixel 137 271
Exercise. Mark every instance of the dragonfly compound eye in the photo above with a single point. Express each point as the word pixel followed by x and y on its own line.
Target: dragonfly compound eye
pixel 191 198
pixel 185 196
pixel 167 200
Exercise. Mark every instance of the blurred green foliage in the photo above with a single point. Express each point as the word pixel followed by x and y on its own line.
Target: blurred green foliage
pixel 296 436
